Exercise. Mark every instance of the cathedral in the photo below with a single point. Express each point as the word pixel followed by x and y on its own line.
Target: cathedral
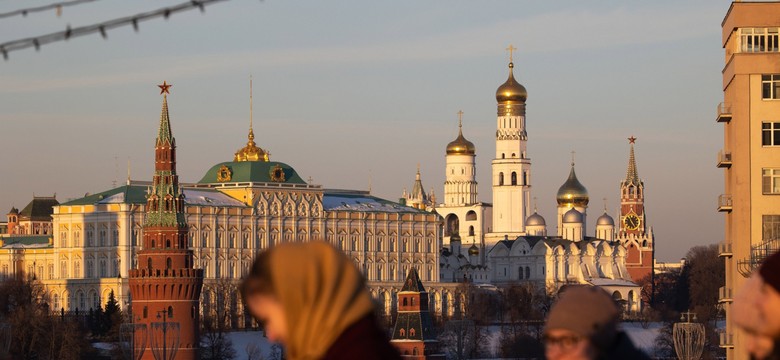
pixel 508 241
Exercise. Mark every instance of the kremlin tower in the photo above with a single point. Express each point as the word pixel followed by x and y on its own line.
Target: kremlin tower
pixel 413 334
pixel 634 233
pixel 165 288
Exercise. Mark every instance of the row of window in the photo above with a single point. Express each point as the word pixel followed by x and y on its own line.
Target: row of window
pixel 770 133
pixel 513 178
pixel 102 238
pixel 757 40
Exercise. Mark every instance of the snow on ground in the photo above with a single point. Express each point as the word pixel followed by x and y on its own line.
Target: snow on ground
pixel 242 339
pixel 641 337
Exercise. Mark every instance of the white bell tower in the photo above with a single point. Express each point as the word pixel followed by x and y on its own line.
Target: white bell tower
pixel 511 166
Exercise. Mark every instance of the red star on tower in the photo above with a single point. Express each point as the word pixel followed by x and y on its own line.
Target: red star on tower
pixel 632 139
pixel 164 88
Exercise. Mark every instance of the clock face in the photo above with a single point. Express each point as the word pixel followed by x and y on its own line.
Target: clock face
pixel 631 222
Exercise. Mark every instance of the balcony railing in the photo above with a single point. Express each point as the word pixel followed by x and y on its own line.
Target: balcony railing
pixel 725 203
pixel 724 295
pixel 724 250
pixel 757 255
pixel 724 159
pixel 726 340
pixel 724 112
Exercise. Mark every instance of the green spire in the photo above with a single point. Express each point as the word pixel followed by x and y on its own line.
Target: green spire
pixel 632 175
pixel 165 135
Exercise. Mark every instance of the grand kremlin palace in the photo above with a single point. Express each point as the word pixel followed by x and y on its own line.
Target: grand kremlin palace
pixel 238 208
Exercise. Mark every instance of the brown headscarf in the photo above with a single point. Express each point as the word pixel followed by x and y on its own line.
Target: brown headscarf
pixel 322 294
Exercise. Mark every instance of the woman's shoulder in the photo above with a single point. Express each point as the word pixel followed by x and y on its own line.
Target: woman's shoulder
pixel 362 340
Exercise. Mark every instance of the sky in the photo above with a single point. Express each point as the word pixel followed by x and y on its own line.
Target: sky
pixel 352 93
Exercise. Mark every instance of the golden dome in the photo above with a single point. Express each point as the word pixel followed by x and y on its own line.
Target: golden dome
pixel 572 192
pixel 511 91
pixel 473 250
pixel 461 146
pixel 251 152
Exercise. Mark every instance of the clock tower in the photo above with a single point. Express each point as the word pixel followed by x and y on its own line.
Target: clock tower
pixel 632 198
pixel 634 233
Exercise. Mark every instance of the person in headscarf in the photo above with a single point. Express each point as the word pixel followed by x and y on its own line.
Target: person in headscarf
pixel 313 300
pixel 756 310
pixel 583 325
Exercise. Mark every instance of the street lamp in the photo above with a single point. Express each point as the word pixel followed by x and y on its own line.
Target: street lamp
pixel 133 337
pixel 165 337
pixel 688 337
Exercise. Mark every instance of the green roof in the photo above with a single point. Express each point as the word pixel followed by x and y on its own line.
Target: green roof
pixel 132 194
pixel 39 209
pixel 252 171
pixel 26 241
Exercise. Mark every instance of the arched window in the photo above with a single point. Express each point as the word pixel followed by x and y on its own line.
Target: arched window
pixel 514 178
pixel 471 215
pixel 153 243
pixel 149 264
pixel 146 312
pixel 521 273
pixel 500 179
pixel 170 312
pixel 471 230
pixel 405 302
pixel 527 272
pixel 513 155
pixel 411 333
pixel 402 332
pixel 503 156
pixel 168 244
pixel 168 263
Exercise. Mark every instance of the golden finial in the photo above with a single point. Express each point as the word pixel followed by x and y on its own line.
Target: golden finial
pixel 251 152
pixel 164 88
pixel 460 118
pixel 572 157
pixel 511 50
pixel 605 204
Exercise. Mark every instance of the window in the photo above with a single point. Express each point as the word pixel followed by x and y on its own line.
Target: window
pixel 770 86
pixel 521 273
pixel 471 230
pixel 527 272
pixel 770 181
pixel 758 39
pixel 770 133
pixel 146 312
pixel 168 263
pixel 771 227
pixel 170 312
pixel 500 179
pixel 514 178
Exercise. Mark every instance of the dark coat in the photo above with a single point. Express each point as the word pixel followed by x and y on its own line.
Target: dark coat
pixel 364 340
pixel 624 348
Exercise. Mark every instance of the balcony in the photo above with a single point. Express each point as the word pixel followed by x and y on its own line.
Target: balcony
pixel 725 203
pixel 758 253
pixel 724 250
pixel 724 295
pixel 724 159
pixel 726 340
pixel 724 112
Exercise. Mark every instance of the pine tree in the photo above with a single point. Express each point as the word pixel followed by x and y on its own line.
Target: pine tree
pixel 112 318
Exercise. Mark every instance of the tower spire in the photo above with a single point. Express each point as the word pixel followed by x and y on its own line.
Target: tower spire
pixel 251 120
pixel 164 134
pixel 632 175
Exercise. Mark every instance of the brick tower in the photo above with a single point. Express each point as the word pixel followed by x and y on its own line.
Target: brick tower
pixel 414 335
pixel 634 233
pixel 165 286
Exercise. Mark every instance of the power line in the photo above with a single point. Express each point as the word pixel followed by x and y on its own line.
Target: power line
pixel 102 27
pixel 58 6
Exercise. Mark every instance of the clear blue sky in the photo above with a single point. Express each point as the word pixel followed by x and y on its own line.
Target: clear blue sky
pixel 345 90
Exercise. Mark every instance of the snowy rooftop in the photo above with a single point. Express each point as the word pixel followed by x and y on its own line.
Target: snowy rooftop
pixel 191 197
pixel 611 282
pixel 361 201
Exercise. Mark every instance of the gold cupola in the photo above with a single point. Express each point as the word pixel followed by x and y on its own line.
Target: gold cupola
pixel 511 96
pixel 572 192
pixel 461 146
pixel 511 91
pixel 251 152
